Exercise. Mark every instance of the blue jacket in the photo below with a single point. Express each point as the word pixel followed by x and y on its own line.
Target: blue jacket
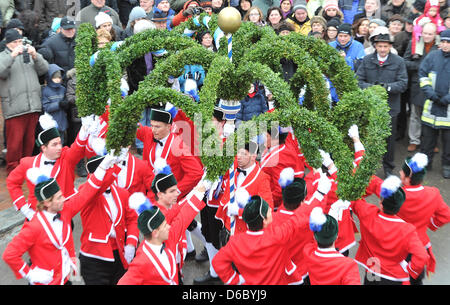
pixel 52 95
pixel 354 52
pixel 252 106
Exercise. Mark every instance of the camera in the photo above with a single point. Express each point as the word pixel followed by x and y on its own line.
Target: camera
pixel 26 56
pixel 196 10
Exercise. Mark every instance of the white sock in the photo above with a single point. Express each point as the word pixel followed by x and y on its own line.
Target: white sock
pixel 197 232
pixel 190 244
pixel 212 251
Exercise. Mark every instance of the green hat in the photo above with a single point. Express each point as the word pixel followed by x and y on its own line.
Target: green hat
pixel 164 177
pixel 255 209
pixel 415 167
pixel 150 216
pixel 161 116
pixel 50 129
pixel 93 163
pixel 46 188
pixel 162 182
pixel 150 220
pixel 325 227
pixel 392 194
pixel 295 192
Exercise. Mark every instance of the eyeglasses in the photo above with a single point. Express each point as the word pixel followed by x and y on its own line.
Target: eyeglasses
pixel 254 14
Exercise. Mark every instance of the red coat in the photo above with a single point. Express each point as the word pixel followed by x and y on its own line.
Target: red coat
pixel 425 208
pixel 139 176
pixel 146 269
pixel 96 241
pixel 256 183
pixel 262 257
pixel 329 267
pixel 63 171
pixel 273 162
pixel 187 169
pixel 38 239
pixel 305 236
pixel 386 241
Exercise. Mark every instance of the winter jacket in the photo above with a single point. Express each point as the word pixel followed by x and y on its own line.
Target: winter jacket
pixel 354 52
pixel 392 73
pixel 71 97
pixel 434 75
pixel 88 13
pixel 53 98
pixel 7 8
pixel 59 50
pixel 300 27
pixel 48 10
pixel 412 65
pixel 20 90
pixel 350 8
pixel 389 10
pixel 252 106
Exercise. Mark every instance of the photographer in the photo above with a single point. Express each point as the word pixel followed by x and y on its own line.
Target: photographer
pixel 190 8
pixel 20 66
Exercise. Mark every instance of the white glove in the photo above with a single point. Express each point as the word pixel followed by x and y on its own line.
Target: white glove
pixel 324 184
pixel 38 275
pixel 108 161
pixel 129 252
pixel 27 211
pixel 337 208
pixel 353 131
pixel 233 209
pixel 94 127
pixel 123 154
pixel 326 159
pixel 228 129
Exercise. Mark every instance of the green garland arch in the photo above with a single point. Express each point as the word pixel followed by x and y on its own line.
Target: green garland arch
pixel 256 55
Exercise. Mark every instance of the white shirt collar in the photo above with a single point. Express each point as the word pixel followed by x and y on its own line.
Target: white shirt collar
pixel 382 58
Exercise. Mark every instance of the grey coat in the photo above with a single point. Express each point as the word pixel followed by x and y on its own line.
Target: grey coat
pixel 392 73
pixel 20 90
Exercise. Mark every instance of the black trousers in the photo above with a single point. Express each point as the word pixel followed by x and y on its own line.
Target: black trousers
pixel 98 272
pixel 388 158
pixel 373 280
pixel 429 142
pixel 211 227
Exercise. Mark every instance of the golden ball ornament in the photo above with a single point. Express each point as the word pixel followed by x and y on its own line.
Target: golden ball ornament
pixel 229 20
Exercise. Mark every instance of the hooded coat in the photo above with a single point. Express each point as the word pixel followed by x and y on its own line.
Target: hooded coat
pixel 53 98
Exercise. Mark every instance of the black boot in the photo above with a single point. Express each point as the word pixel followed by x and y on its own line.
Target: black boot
pixel 446 171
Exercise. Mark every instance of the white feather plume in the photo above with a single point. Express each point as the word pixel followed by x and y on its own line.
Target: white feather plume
pixel 242 197
pixel 159 164
pixel 136 200
pixel 99 146
pixel 286 177
pixel 33 174
pixel 316 219
pixel 46 121
pixel 389 186
pixel 420 159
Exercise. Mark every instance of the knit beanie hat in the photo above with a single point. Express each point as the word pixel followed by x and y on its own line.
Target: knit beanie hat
pixel 136 13
pixel 12 35
pixel 15 23
pixel 345 28
pixel 299 5
pixel 102 18
pixel 334 22
pixel 330 4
